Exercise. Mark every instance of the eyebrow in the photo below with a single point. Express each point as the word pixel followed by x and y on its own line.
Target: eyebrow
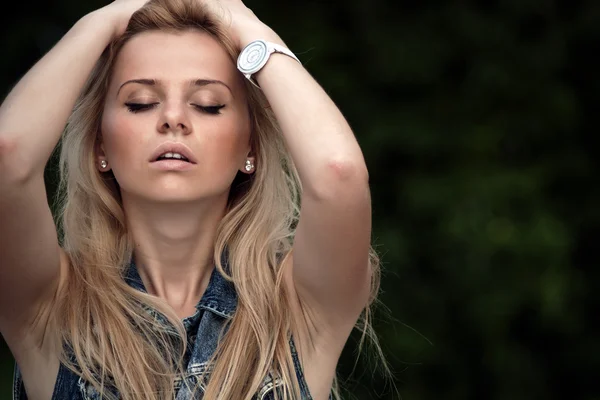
pixel 196 82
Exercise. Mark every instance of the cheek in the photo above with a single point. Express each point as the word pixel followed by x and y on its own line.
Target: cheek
pixel 121 135
pixel 228 143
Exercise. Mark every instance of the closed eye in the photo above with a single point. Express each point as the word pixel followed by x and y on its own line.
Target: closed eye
pixel 209 109
pixel 137 107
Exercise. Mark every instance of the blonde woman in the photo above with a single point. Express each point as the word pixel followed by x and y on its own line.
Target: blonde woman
pixel 185 264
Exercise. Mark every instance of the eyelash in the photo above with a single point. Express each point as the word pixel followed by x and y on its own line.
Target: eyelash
pixel 138 107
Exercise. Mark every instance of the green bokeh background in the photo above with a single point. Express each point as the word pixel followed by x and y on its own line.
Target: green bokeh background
pixel 479 124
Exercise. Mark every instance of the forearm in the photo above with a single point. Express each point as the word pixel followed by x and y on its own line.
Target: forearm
pixel 35 112
pixel 317 135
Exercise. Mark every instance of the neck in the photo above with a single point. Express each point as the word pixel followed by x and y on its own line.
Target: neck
pixel 174 245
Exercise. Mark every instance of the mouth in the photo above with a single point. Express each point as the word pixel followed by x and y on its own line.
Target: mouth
pixel 174 152
pixel 172 156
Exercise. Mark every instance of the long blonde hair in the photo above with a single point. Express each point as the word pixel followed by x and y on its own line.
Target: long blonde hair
pixel 109 338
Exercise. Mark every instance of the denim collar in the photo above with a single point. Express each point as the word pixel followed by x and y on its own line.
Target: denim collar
pixel 219 297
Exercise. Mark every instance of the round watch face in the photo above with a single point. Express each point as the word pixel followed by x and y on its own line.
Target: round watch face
pixel 253 57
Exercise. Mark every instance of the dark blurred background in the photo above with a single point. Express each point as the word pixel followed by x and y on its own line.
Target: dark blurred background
pixel 479 124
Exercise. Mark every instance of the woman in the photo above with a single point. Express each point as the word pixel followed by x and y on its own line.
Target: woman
pixel 185 266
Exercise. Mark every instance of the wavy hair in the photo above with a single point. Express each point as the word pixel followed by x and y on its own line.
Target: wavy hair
pixel 108 337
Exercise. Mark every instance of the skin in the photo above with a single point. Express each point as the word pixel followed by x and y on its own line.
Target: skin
pixel 174 245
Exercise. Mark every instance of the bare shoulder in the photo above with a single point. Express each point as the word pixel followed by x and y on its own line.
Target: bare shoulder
pixel 36 347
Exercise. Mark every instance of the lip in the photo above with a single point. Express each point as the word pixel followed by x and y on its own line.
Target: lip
pixel 173 147
pixel 172 165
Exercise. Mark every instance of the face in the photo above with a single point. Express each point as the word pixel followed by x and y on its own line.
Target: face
pixel 175 89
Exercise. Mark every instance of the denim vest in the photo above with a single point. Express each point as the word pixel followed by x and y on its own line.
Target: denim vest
pixel 213 311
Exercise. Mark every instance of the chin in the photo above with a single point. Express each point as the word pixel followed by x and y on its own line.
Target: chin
pixel 175 197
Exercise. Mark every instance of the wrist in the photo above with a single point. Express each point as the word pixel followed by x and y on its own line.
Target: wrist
pixel 255 56
pixel 263 33
pixel 99 23
pixel 113 18
pixel 104 19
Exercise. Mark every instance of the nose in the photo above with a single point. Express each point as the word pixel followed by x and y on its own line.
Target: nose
pixel 174 118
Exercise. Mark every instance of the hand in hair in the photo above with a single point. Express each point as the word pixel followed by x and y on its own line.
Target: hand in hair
pixel 242 24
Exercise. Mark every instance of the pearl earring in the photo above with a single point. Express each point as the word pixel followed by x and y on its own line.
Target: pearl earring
pixel 103 164
pixel 249 165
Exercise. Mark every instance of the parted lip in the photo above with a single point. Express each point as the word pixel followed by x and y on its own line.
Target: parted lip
pixel 173 147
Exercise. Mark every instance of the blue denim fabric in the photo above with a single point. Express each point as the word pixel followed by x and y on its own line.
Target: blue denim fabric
pixel 213 311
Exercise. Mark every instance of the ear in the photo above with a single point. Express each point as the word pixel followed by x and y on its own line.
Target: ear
pixel 101 160
pixel 249 165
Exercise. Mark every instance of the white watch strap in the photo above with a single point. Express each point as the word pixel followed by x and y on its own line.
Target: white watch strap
pixel 280 49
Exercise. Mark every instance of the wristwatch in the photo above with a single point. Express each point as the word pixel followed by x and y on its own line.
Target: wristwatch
pixel 256 54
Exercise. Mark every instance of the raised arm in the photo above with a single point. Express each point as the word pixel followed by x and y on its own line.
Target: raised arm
pixel 331 249
pixel 331 272
pixel 32 118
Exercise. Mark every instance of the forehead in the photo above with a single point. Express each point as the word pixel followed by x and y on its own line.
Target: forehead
pixel 173 57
